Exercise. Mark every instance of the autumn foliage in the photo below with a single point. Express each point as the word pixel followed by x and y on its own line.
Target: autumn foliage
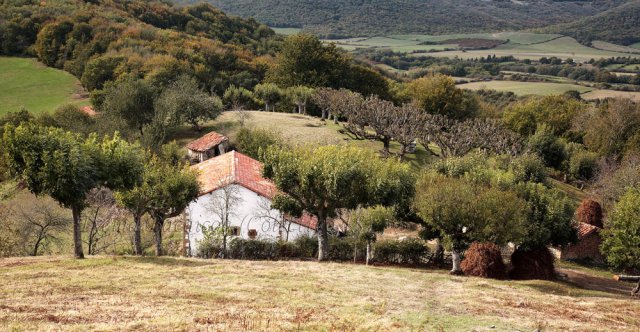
pixel 590 212
pixel 484 260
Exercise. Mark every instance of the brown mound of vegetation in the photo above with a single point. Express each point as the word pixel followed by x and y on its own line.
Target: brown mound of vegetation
pixel 484 260
pixel 532 264
pixel 590 212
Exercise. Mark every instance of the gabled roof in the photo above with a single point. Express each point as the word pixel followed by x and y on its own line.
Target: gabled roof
pixel 236 168
pixel 585 229
pixel 233 168
pixel 206 142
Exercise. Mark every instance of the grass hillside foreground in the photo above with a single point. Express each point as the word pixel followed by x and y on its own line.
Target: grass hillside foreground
pixel 27 83
pixel 126 293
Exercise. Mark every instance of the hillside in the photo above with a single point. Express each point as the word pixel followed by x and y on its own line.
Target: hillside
pixel 28 83
pixel 340 18
pixel 620 25
pixel 127 293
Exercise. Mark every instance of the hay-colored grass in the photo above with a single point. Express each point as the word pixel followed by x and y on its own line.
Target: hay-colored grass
pixel 24 82
pixel 603 94
pixel 126 293
pixel 526 88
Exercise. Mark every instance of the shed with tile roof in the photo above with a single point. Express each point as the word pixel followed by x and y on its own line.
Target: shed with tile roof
pixel 207 146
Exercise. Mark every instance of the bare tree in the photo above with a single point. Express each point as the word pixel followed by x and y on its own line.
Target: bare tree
pixel 407 125
pixel 100 221
pixel 379 115
pixel 41 222
pixel 242 115
pixel 266 213
pixel 223 205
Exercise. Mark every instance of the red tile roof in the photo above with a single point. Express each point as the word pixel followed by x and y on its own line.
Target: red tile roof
pixel 236 168
pixel 585 229
pixel 206 142
pixel 88 110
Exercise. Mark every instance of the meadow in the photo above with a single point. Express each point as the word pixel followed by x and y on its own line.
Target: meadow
pixel 27 83
pixel 299 130
pixel 131 293
pixel 526 88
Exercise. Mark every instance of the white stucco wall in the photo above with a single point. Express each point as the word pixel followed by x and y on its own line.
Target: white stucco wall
pixel 245 216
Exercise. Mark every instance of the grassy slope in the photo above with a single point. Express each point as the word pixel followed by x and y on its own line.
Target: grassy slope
pixel 125 293
pixel 298 130
pixel 25 82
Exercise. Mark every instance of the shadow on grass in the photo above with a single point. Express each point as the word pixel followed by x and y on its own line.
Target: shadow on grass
pixel 168 261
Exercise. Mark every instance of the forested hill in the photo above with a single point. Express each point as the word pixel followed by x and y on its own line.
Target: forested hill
pixel 620 25
pixel 378 17
pixel 101 40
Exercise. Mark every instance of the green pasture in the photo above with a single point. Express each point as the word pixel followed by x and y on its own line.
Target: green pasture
pixel 25 82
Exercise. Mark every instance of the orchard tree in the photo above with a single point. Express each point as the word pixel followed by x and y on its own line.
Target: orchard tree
pixel 367 223
pixel 269 94
pixel 61 165
pixel 299 95
pixel 324 179
pixel 462 213
pixel 237 98
pixel 186 102
pixel 621 237
pixel 170 188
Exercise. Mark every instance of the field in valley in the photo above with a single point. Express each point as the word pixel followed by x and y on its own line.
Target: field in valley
pixel 27 83
pixel 522 45
pixel 526 88
pixel 126 293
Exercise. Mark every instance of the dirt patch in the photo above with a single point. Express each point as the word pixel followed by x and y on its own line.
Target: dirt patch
pixel 474 43
pixel 590 282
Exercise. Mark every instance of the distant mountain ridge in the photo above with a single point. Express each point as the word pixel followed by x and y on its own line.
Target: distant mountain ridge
pixel 620 25
pixel 342 18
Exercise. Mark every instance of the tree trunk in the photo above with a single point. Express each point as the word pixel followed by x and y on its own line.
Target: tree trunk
pixel 335 119
pixel 386 142
pixel 137 238
pixel 438 256
pixel 456 257
pixel 323 237
pixel 77 232
pixel 368 252
pixel 157 230
pixel 636 290
pixel 266 107
pixel 324 115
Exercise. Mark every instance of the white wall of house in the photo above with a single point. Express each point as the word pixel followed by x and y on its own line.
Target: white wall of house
pixel 246 216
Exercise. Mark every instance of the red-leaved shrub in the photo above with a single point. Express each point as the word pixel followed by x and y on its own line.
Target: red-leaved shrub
pixel 484 260
pixel 590 212
pixel 532 264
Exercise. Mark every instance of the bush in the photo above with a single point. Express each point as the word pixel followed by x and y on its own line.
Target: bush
pixel 529 168
pixel 254 142
pixel 342 249
pixel 532 264
pixel 590 212
pixel 251 249
pixel 408 251
pixel 549 147
pixel 583 165
pixel 484 260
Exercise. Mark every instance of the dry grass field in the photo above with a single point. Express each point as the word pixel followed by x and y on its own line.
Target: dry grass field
pixel 126 293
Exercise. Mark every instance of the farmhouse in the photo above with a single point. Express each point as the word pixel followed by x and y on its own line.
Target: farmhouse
pixel 207 146
pixel 233 187
pixel 587 247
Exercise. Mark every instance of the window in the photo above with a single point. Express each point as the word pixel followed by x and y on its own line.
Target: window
pixel 234 231
pixel 253 233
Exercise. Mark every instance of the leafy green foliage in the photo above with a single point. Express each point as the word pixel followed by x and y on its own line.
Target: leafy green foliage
pixel 556 112
pixel 549 147
pixel 238 98
pixel 438 95
pixel 610 129
pixel 323 179
pixel 187 103
pixel 255 142
pixel 621 237
pixel 269 94
pixel 130 99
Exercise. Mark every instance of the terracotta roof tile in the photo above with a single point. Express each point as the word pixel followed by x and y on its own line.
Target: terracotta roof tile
pixel 585 229
pixel 236 168
pixel 206 142
pixel 88 110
